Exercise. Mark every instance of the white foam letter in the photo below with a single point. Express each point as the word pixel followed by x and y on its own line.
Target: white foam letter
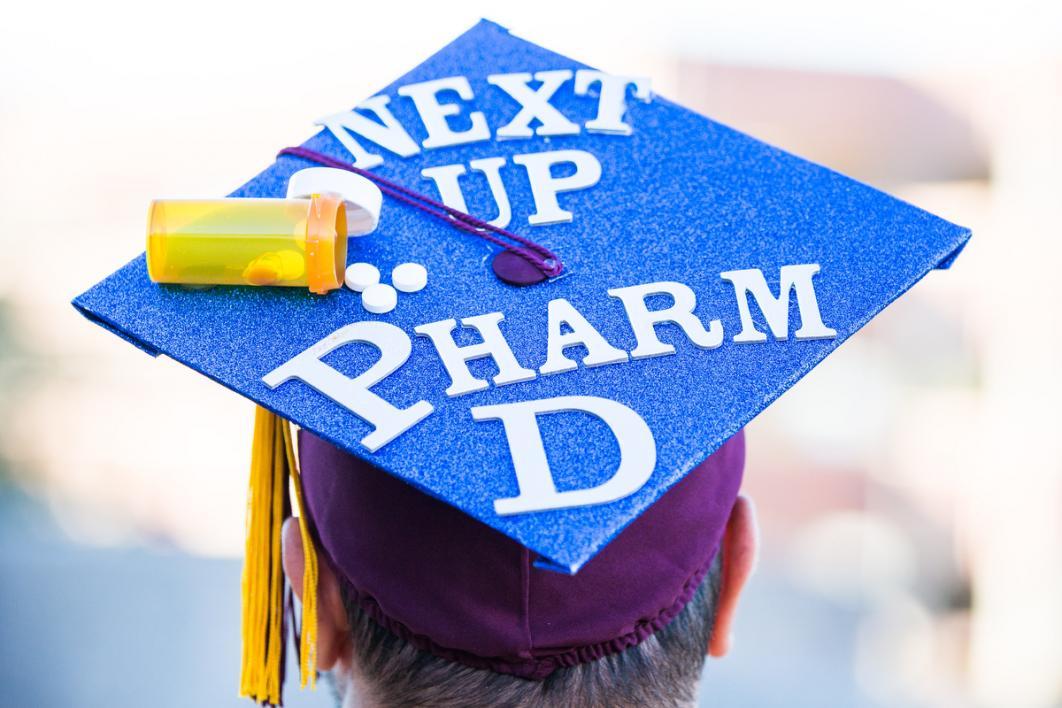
pixel 537 490
pixel 447 181
pixel 643 320
pixel 776 309
pixel 545 187
pixel 598 350
pixel 612 103
pixel 454 357
pixel 353 393
pixel 388 133
pixel 433 114
pixel 534 104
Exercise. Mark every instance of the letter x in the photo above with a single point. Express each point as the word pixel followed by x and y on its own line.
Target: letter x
pixel 534 103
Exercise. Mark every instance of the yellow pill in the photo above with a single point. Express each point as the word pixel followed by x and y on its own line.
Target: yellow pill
pixel 267 269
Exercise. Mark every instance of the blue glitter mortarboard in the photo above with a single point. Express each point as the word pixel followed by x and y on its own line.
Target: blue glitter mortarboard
pixel 679 199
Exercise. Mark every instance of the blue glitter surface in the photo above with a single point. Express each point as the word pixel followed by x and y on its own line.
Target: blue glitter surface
pixel 683 198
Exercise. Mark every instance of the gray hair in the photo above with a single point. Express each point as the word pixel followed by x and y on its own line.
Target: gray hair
pixel 663 670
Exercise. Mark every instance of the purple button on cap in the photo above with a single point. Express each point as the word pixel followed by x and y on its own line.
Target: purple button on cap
pixel 514 269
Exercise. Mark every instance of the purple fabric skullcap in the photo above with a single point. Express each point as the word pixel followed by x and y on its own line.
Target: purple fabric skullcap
pixel 463 591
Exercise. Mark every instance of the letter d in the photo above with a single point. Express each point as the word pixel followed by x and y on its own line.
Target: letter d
pixel 537 489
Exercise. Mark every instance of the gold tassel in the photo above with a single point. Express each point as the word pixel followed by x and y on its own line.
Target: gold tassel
pixel 272 463
pixel 308 638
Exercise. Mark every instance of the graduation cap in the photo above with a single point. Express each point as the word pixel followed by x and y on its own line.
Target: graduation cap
pixel 680 276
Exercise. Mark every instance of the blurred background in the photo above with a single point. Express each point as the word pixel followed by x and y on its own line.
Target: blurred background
pixel 910 489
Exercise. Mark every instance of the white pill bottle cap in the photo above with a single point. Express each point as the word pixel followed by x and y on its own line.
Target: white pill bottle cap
pixel 361 197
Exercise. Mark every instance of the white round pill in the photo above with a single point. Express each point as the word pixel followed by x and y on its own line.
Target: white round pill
pixel 379 298
pixel 361 275
pixel 409 277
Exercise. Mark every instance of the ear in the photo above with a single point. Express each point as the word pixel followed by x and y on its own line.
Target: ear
pixel 333 627
pixel 739 548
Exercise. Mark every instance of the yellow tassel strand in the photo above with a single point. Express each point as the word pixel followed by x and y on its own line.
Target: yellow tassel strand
pixel 255 580
pixel 308 639
pixel 272 463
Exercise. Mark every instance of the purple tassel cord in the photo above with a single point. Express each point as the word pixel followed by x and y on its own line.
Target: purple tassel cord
pixel 511 264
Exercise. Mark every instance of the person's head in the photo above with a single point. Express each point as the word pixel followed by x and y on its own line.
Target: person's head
pixel 372 665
